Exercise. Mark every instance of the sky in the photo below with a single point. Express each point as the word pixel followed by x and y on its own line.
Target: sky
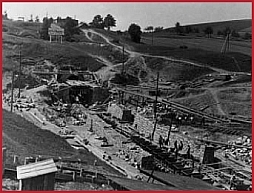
pixel 164 14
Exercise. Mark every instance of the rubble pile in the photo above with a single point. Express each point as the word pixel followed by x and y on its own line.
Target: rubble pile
pixel 241 154
pixel 77 112
pixel 132 154
pixel 62 114
pixel 22 103
pixel 115 111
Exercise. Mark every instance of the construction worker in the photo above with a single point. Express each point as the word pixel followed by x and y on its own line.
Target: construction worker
pixel 181 145
pixel 175 145
pixel 199 167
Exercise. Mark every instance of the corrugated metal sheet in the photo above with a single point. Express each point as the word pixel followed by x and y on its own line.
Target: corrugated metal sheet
pixel 36 169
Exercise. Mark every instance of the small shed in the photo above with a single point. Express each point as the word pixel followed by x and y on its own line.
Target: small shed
pixel 37 176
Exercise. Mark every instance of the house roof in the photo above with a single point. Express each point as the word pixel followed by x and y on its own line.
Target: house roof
pixel 36 169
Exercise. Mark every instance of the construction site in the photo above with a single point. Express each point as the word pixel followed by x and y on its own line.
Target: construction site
pixel 162 132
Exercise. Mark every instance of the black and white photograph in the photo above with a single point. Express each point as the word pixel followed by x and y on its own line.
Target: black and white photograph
pixel 126 96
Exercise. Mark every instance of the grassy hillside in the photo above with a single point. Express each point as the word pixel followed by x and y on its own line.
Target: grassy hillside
pixel 199 49
pixel 192 42
pixel 23 138
pixel 207 58
pixel 80 53
pixel 236 25
pixel 34 49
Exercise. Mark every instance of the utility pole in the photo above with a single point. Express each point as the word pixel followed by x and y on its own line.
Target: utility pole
pixel 155 106
pixel 225 46
pixel 19 79
pixel 123 61
pixel 171 123
pixel 152 37
pixel 228 41
pixel 12 88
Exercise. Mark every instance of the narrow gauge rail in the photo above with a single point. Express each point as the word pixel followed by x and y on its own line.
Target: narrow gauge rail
pixel 224 122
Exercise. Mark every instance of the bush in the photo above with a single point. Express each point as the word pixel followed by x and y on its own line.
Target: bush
pixel 135 32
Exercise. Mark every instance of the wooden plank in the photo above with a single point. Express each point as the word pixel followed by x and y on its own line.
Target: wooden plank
pixel 36 173
pixel 32 165
pixel 36 169
pixel 32 169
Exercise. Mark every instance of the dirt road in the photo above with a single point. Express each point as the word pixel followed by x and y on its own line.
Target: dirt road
pixel 133 54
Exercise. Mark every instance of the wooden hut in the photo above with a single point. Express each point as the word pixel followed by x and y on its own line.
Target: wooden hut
pixel 37 176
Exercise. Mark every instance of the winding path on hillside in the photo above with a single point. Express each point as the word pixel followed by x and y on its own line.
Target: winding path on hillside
pixel 108 70
pixel 136 54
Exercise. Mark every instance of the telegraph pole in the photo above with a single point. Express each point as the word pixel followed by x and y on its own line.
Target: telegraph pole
pixel 123 61
pixel 12 88
pixel 155 106
pixel 228 41
pixel 152 37
pixel 19 79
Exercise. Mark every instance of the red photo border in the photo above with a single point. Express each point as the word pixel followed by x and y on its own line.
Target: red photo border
pixel 181 1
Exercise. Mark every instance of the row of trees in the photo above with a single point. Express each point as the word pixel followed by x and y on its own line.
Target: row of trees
pixel 36 19
pixel 135 32
pixel 208 31
pixel 185 29
pixel 108 22
pixel 152 29
pixel 69 26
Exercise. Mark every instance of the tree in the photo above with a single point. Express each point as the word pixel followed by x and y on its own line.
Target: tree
pixel 31 18
pixel 109 21
pixel 44 29
pixel 97 22
pixel 5 15
pixel 37 19
pixel 178 28
pixel 70 28
pixel 149 28
pixel 208 31
pixel 157 29
pixel 135 32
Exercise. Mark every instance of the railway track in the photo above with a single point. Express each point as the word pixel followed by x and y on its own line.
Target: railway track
pixel 161 156
pixel 177 106
pixel 224 122
pixel 163 159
